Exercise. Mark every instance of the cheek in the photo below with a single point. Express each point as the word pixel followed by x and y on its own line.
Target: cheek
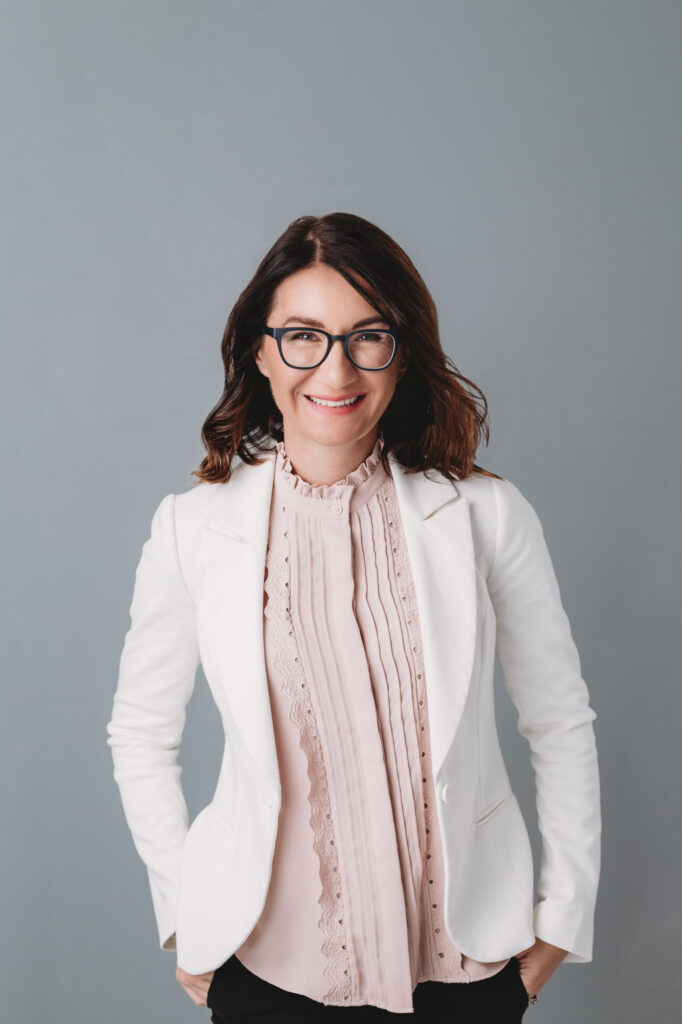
pixel 283 387
pixel 387 393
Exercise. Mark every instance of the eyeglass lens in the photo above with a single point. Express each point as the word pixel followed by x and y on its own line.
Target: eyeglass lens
pixel 371 350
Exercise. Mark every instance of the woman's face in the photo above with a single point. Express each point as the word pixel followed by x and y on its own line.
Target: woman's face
pixel 320 293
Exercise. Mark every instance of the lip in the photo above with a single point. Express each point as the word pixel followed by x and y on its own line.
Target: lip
pixel 338 410
pixel 337 398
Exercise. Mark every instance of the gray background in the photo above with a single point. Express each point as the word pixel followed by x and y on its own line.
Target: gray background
pixel 527 156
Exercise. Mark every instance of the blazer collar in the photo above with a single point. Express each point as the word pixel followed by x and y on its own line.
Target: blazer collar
pixel 242 505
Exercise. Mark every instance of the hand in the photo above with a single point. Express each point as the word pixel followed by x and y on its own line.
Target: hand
pixel 538 963
pixel 195 985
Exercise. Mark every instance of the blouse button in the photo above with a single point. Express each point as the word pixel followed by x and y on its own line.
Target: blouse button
pixel 338 509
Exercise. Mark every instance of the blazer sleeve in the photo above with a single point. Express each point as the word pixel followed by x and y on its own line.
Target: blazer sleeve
pixel 156 678
pixel 542 674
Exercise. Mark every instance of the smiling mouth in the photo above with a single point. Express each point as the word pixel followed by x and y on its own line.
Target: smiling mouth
pixel 335 403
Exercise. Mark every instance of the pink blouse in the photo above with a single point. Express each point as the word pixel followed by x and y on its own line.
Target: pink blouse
pixel 354 911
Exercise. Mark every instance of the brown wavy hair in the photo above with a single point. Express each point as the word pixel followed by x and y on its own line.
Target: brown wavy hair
pixel 436 417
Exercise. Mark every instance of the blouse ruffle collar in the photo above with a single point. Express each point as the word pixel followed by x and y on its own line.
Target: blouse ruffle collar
pixel 353 480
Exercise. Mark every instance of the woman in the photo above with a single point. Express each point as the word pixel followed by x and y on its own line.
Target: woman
pixel 346 586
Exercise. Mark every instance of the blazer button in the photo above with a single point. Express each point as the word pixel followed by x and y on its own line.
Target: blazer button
pixel 445 792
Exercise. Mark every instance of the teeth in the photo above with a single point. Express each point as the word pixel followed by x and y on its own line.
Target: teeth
pixel 346 401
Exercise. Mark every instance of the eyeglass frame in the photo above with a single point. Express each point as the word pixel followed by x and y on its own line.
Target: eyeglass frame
pixel 277 332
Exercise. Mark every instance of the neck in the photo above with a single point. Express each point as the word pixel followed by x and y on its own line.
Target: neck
pixel 323 464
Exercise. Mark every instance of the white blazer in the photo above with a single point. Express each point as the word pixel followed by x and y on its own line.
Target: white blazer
pixel 485 585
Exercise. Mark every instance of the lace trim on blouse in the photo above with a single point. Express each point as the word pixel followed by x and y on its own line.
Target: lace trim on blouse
pixel 287 662
pixel 449 959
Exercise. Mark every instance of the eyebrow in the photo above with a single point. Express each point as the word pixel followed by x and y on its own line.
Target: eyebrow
pixel 308 322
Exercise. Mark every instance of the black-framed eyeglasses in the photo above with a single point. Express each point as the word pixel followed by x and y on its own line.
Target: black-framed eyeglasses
pixel 304 348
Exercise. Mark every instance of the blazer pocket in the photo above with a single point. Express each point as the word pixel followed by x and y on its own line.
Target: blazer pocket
pixel 488 812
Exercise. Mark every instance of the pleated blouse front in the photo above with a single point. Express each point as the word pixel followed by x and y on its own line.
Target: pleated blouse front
pixel 354 911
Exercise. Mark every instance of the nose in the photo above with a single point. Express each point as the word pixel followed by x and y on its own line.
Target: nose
pixel 336 363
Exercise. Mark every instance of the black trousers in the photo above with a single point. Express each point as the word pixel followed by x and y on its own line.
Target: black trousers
pixel 238 996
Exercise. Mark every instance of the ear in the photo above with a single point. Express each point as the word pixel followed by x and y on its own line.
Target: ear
pixel 258 358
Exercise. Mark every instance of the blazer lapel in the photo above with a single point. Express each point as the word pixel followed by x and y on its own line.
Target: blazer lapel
pixel 438 534
pixel 437 525
pixel 236 540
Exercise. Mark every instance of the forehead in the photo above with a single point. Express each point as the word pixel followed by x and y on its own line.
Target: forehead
pixel 320 293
